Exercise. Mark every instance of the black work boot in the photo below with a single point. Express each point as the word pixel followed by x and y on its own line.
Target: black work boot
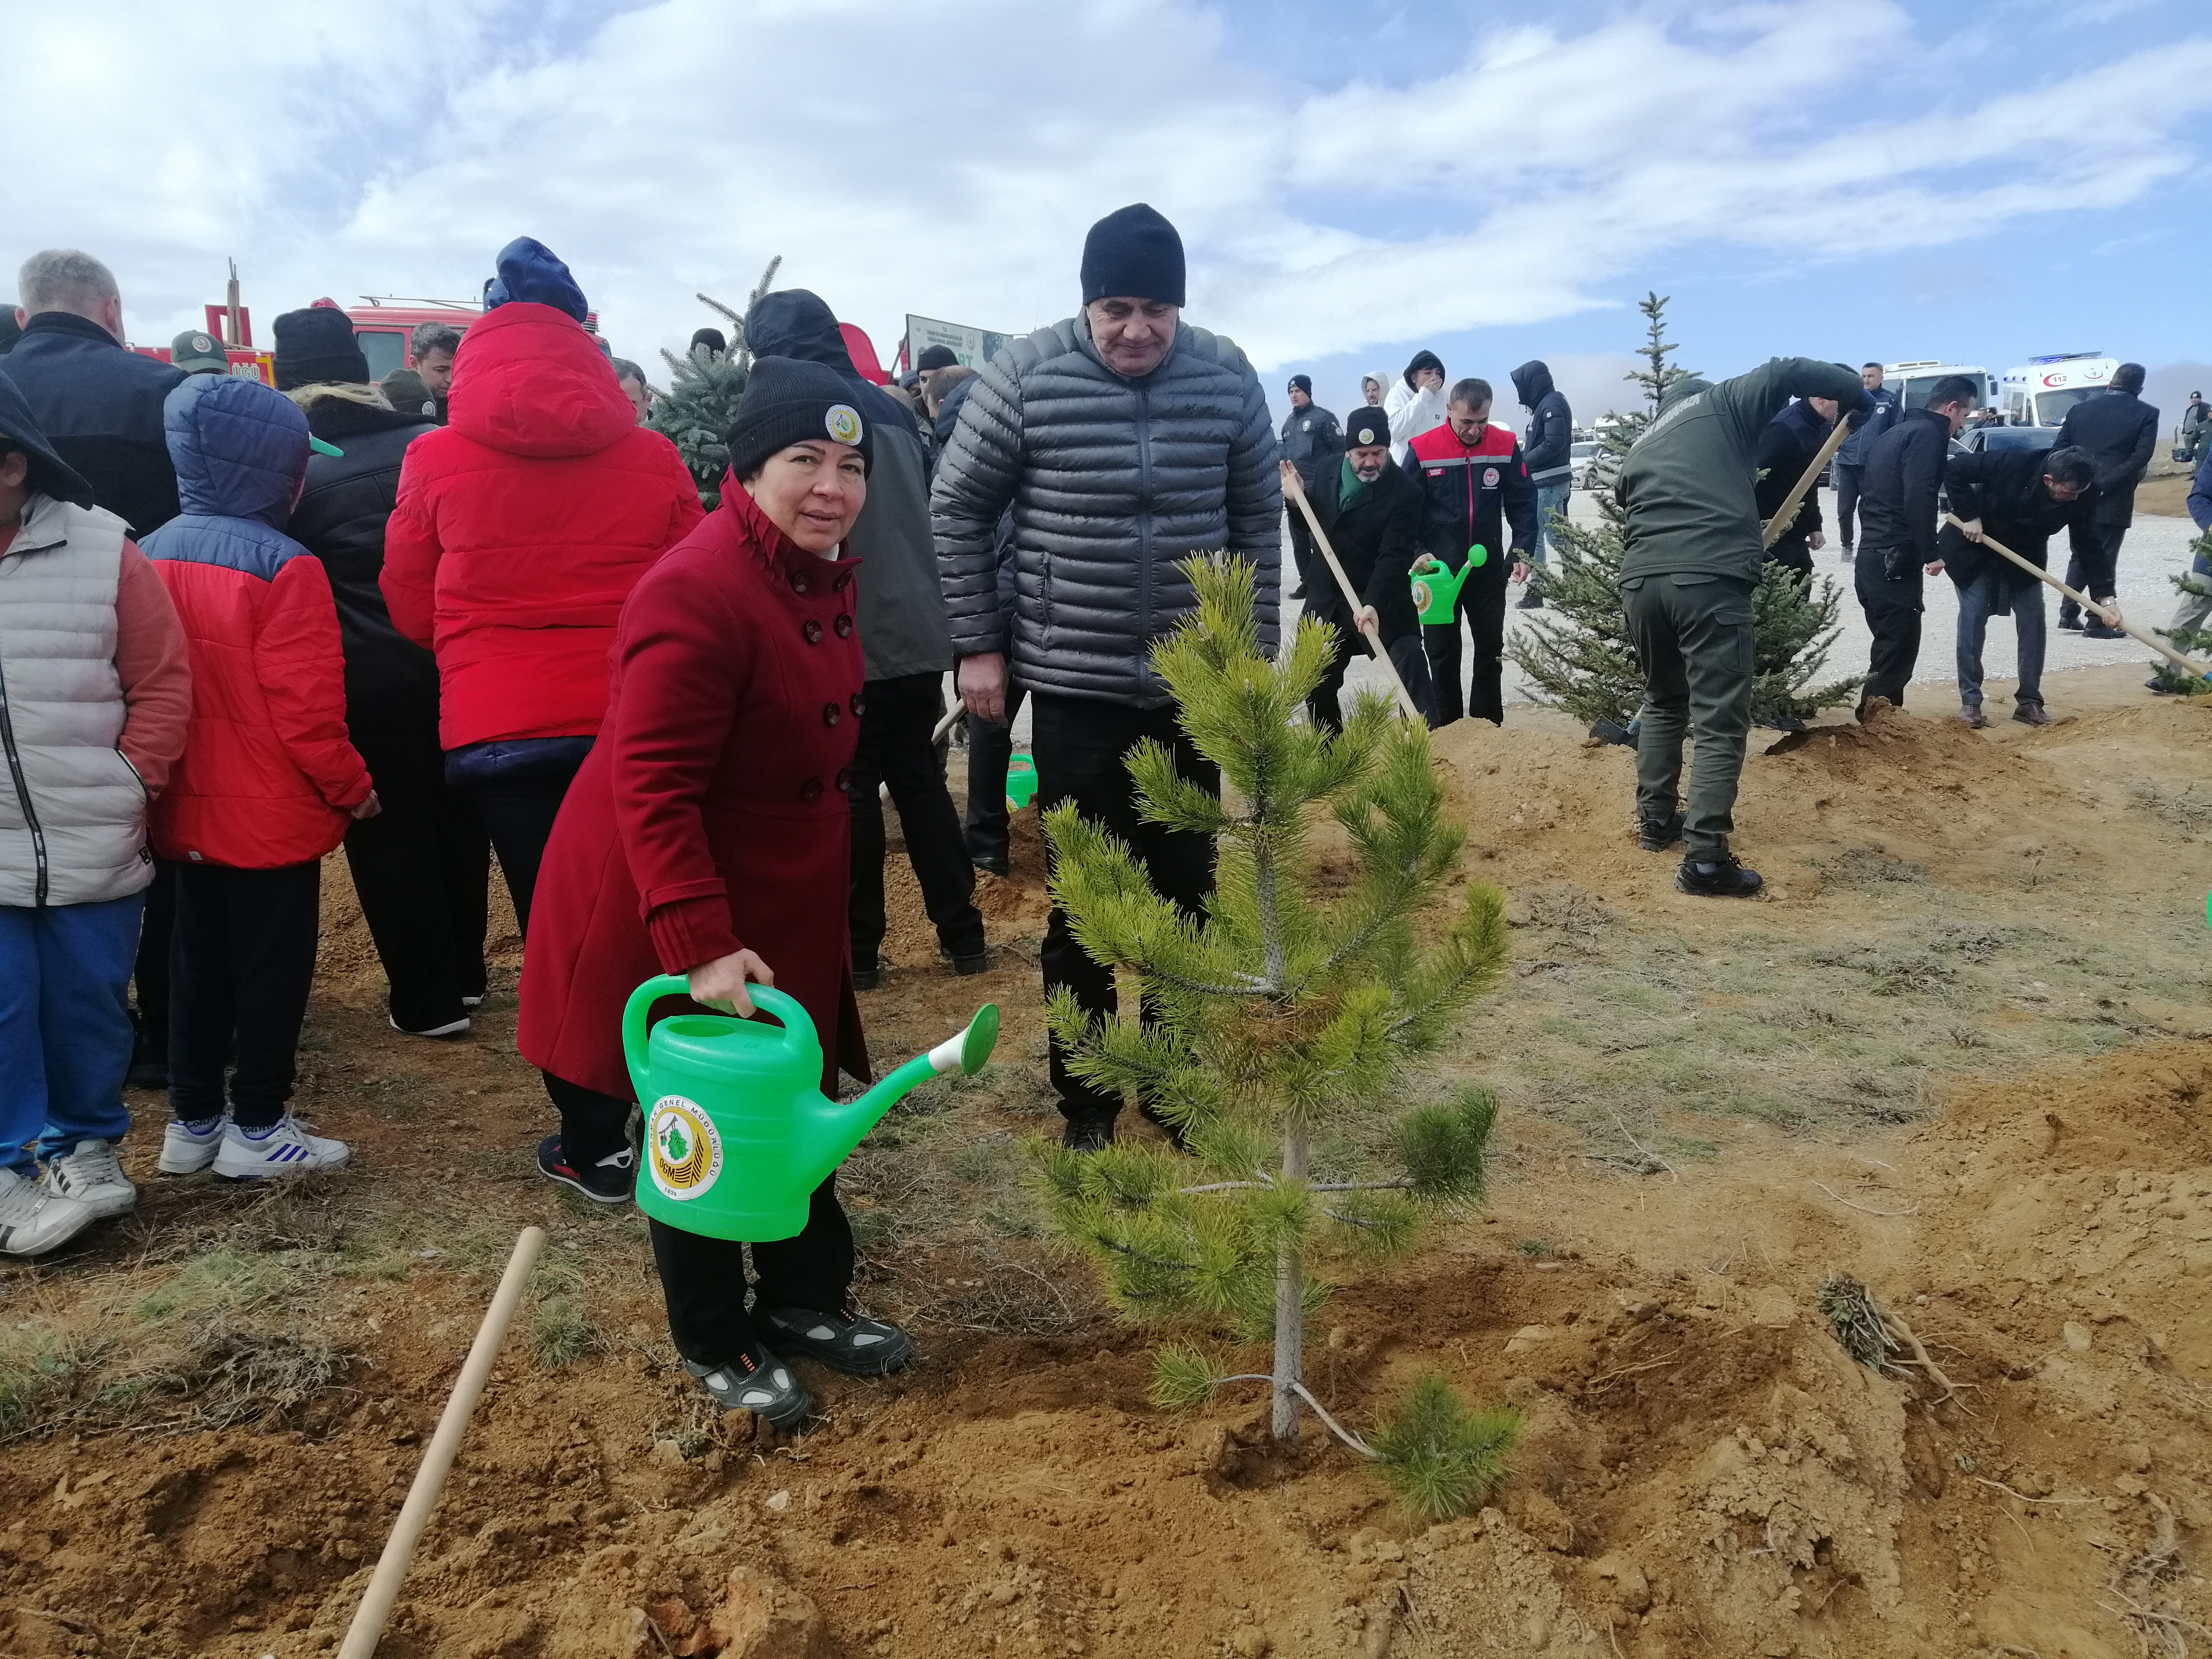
pixel 1086 1132
pixel 1659 837
pixel 1721 878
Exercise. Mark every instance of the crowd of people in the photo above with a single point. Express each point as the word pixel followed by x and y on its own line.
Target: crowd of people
pixel 479 611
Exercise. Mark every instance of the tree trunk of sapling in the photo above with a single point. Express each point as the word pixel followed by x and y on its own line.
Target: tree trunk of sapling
pixel 1289 1306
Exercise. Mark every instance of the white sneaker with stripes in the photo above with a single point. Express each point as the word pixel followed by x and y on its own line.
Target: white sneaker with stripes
pixel 286 1149
pixel 93 1176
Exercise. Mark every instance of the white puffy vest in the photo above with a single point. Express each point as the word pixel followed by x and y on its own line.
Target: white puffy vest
pixel 72 809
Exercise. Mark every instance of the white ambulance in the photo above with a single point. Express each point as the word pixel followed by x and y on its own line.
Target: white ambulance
pixel 2040 391
pixel 1913 382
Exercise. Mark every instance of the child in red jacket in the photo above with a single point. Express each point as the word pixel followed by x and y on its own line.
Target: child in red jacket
pixel 268 783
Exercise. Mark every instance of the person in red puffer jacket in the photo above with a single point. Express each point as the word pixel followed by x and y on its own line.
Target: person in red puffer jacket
pixel 268 783
pixel 520 529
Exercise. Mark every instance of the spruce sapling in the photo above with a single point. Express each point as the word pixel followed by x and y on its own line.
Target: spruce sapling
pixel 2190 642
pixel 1279 1018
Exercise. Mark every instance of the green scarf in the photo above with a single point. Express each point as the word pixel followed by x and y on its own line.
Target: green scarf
pixel 1348 486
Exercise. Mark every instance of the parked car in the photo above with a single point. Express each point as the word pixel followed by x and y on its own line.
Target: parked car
pixel 1581 457
pixel 1976 438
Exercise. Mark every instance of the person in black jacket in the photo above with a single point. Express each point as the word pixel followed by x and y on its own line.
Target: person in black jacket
pixel 1311 441
pixel 2020 498
pixel 1790 444
pixel 1897 533
pixel 909 646
pixel 1372 512
pixel 99 404
pixel 420 868
pixel 2119 430
pixel 1850 463
pixel 1547 448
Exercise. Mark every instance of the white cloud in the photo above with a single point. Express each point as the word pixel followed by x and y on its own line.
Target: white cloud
pixel 944 156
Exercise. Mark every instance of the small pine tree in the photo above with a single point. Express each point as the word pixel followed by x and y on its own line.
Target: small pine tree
pixel 1577 656
pixel 702 396
pixel 2190 642
pixel 1282 1023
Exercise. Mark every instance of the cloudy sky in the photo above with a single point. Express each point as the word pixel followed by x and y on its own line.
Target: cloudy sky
pixel 1353 178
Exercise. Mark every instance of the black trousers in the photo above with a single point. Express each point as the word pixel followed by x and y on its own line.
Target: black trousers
pixel 2098 580
pixel 241 961
pixel 1079 744
pixel 517 813
pixel 1847 501
pixel 1893 613
pixel 1791 553
pixel 989 748
pixel 593 1126
pixel 1482 607
pixel 703 1280
pixel 1324 708
pixel 420 868
pixel 895 750
pixel 1301 542
pixel 150 972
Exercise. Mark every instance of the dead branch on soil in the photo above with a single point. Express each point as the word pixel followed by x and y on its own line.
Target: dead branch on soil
pixel 1862 1208
pixel 2008 1492
pixel 1880 1339
pixel 2158 1629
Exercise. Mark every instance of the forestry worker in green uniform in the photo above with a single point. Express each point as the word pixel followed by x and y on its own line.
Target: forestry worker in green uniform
pixel 1692 559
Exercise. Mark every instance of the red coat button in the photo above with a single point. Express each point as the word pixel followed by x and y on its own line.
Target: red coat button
pixel 844 779
pixel 811 790
pixel 859 705
pixel 831 713
pixel 844 627
pixel 812 631
pixel 843 581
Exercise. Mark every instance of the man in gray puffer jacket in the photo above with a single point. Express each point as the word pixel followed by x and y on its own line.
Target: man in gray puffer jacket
pixel 1125 441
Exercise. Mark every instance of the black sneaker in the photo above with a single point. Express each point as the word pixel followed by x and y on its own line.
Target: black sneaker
pixel 1658 837
pixel 858 1347
pixel 1086 1132
pixel 1721 878
pixel 2071 625
pixel 991 864
pixel 2099 630
pixel 1533 601
pixel 756 1382
pixel 607 1181
pixel 868 978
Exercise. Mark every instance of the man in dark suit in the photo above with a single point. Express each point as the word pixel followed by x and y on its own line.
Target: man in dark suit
pixel 1372 512
pixel 2119 430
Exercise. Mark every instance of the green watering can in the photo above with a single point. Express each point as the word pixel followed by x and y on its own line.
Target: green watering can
pixel 737 1132
pixel 1437 586
pixel 1021 781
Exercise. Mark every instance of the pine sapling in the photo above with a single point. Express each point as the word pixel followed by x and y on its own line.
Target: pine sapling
pixel 702 397
pixel 1280 1025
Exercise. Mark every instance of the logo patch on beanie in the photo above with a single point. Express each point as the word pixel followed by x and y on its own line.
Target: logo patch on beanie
pixel 842 422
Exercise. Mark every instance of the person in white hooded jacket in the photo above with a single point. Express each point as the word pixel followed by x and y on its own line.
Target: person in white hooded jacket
pixel 1416 402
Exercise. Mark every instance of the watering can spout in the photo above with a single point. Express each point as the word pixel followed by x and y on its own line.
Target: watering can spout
pixel 841 1127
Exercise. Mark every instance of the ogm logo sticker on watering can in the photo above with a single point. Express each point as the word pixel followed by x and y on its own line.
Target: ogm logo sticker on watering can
pixel 685 1149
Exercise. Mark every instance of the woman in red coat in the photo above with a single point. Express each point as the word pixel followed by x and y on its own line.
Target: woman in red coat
pixel 707 834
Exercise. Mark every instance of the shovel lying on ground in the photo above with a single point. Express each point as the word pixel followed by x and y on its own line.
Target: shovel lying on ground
pixel 1294 487
pixel 2110 613
pixel 368 1626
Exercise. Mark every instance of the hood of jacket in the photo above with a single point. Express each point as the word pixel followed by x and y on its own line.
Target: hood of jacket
pixel 795 323
pixel 528 381
pixel 1532 383
pixel 49 475
pixel 1423 360
pixel 239 449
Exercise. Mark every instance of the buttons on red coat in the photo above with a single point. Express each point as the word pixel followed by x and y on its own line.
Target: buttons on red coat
pixel 844 627
pixel 811 790
pixel 799 582
pixel 859 705
pixel 843 581
pixel 831 714
pixel 844 779
pixel 811 630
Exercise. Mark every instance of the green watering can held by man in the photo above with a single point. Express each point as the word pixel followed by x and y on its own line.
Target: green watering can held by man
pixel 1437 584
pixel 737 1132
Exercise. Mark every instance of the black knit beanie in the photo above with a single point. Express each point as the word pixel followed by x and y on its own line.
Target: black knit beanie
pixel 1302 383
pixel 786 401
pixel 1133 253
pixel 316 347
pixel 937 357
pixel 1365 427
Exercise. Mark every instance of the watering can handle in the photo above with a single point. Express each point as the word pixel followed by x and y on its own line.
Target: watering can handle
pixel 768 1000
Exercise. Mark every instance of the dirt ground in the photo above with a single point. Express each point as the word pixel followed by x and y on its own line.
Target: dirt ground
pixel 1960 1052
